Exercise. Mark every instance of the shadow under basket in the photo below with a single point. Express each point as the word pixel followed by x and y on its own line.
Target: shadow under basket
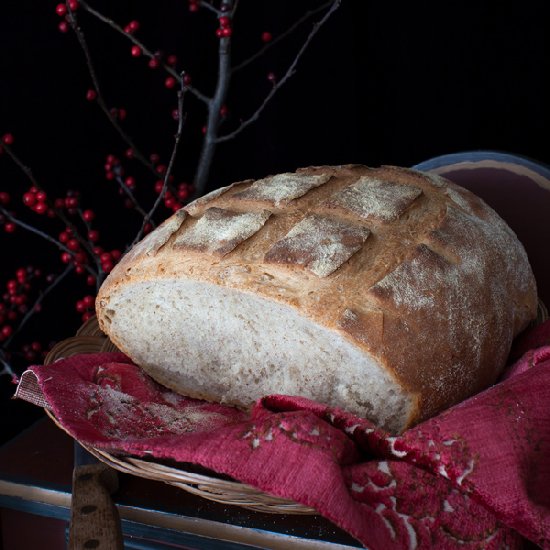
pixel 209 485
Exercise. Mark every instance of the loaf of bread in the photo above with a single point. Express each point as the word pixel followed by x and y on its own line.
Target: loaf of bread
pixel 387 292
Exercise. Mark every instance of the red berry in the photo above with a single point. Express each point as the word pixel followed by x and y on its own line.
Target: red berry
pixel 219 32
pixel 130 182
pixel 187 79
pixel 63 26
pixel 194 5
pixel 61 9
pixel 89 301
pixel 159 184
pixel 80 258
pixel 40 207
pixel 93 235
pixel 227 32
pixel 7 139
pixel 73 5
pixel 148 228
pixel 266 37
pixel 153 63
pixel 29 199
pixel 9 227
pixel 66 257
pixel 105 257
pixel 88 215
pixel 136 51
pixel 6 331
pixel 116 254
pixel 271 77
pixel 73 244
pixel 21 274
pixel 41 196
pixel 91 95
pixel 129 153
pixel 172 60
pixel 80 307
pixel 132 26
pixel 175 114
pixel 225 21
pixel 71 202
pixel 223 111
pixel 161 169
pixel 4 198
pixel 90 280
pixel 170 82
pixel 107 266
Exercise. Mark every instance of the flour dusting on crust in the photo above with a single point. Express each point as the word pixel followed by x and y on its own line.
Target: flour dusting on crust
pixel 220 231
pixel 372 198
pixel 279 190
pixel 320 244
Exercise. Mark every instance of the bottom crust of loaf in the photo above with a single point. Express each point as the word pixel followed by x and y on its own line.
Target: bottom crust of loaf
pixel 234 347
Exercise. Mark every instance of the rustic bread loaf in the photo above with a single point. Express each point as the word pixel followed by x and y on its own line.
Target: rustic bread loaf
pixel 387 292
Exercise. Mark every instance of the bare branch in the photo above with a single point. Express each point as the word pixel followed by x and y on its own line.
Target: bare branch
pixel 145 51
pixel 281 37
pixel 181 118
pixel 290 71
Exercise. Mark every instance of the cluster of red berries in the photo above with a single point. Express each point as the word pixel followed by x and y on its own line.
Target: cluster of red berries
pixel 86 307
pixel 62 11
pixel 225 30
pixel 174 199
pixel 15 299
pixel 33 352
pixel 35 199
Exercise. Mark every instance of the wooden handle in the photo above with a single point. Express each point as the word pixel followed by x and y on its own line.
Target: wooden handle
pixel 95 522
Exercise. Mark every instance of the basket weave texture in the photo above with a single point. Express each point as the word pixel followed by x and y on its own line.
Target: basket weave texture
pixel 90 339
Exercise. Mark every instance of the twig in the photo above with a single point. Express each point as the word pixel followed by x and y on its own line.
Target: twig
pixel 290 71
pixel 44 235
pixel 181 118
pixel 100 100
pixel 281 36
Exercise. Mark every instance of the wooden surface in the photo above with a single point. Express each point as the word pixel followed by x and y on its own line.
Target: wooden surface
pixel 36 476
pixel 95 522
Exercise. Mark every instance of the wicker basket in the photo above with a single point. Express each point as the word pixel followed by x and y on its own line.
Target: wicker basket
pixel 90 339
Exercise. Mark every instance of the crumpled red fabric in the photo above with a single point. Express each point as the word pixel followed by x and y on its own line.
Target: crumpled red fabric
pixel 475 476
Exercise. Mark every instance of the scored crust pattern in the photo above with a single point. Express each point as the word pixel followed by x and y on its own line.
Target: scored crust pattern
pixel 279 190
pixel 374 199
pixel 219 231
pixel 318 243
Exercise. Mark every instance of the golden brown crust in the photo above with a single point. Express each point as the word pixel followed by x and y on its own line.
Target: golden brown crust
pixel 433 284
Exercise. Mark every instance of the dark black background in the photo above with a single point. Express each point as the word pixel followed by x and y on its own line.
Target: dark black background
pixel 382 83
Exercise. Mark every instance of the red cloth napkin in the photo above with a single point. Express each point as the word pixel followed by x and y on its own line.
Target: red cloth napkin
pixel 476 476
